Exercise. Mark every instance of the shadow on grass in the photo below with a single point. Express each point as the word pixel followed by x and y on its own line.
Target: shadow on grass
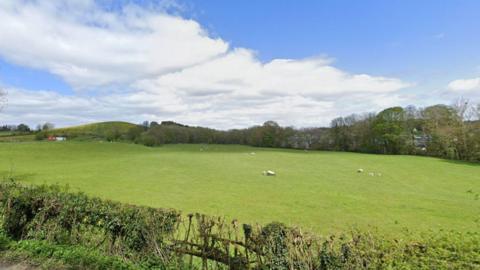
pixel 224 148
pixel 462 162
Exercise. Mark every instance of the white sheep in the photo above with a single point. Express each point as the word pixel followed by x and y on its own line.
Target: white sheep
pixel 269 173
pixel 360 170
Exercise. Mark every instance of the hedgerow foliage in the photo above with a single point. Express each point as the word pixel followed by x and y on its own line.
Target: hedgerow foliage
pixel 163 238
pixel 48 213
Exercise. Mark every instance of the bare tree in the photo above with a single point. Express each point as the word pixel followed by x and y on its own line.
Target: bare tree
pixel 48 126
pixel 465 110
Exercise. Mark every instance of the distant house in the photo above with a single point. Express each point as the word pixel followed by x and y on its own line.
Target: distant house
pixel 56 138
pixel 421 141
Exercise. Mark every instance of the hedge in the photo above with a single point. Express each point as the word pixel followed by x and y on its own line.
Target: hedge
pixel 149 238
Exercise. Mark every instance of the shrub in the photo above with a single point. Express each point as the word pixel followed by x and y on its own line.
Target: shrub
pixel 40 136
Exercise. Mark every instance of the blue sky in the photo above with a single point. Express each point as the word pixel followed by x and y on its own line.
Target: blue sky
pixel 410 39
pixel 428 50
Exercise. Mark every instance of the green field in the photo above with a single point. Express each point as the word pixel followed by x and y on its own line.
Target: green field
pixel 95 128
pixel 320 191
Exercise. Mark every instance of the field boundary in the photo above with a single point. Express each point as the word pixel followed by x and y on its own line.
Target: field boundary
pixel 152 237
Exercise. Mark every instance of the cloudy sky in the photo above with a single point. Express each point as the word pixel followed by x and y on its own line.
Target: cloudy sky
pixel 227 64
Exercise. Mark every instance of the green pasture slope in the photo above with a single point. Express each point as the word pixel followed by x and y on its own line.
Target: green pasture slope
pixel 88 132
pixel 94 129
pixel 8 136
pixel 319 191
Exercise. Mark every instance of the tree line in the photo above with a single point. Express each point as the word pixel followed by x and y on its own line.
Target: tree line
pixel 446 131
pixel 440 130
pixel 24 128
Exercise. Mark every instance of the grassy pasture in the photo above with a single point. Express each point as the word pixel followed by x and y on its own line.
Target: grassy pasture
pixel 6 133
pixel 17 138
pixel 321 191
pixel 95 128
pixel 93 131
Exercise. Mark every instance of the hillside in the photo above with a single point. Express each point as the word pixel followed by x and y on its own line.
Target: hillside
pixel 107 130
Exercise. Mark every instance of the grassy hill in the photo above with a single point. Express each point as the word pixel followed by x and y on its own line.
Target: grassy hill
pixel 6 133
pixel 17 138
pixel 110 131
pixel 12 136
pixel 94 130
pixel 317 190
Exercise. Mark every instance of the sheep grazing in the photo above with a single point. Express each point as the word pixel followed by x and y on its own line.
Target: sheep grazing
pixel 360 171
pixel 269 173
pixel 371 174
pixel 252 153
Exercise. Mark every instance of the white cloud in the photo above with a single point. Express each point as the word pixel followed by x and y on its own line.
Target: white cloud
pixel 34 107
pixel 219 111
pixel 465 85
pixel 239 71
pixel 89 47
pixel 171 69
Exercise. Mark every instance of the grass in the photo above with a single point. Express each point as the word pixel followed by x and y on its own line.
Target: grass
pixel 87 132
pixel 6 133
pixel 17 138
pixel 12 136
pixel 95 128
pixel 34 254
pixel 320 191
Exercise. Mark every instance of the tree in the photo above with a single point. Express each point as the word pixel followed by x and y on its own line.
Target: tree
pixel 390 130
pixel 438 116
pixel 362 135
pixel 48 126
pixel 270 130
pixel 465 109
pixel 134 133
pixel 340 134
pixel 474 142
pixel 441 123
pixel 462 141
pixel 113 134
pixel 23 128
